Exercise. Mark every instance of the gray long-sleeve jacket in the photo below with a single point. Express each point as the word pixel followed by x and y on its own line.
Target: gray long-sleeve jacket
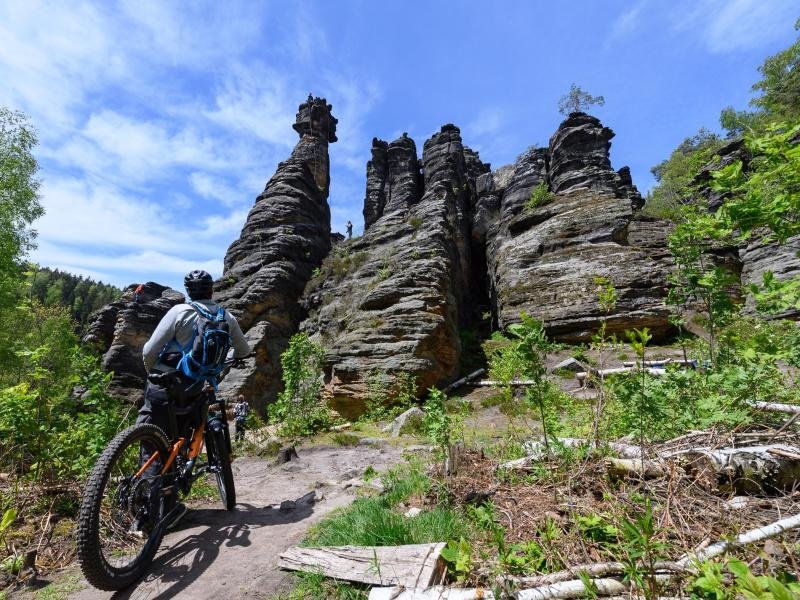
pixel 176 329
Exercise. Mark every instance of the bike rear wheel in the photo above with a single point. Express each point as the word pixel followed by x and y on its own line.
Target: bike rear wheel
pixel 219 460
pixel 119 529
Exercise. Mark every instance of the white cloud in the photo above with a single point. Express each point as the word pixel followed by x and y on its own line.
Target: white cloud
pixel 159 124
pixel 734 25
pixel 217 189
pixel 626 22
pixel 260 102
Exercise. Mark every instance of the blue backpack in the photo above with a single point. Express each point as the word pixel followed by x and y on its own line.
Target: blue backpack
pixel 204 356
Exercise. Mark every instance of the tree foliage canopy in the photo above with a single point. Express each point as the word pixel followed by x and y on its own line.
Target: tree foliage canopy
pixel 19 189
pixel 578 100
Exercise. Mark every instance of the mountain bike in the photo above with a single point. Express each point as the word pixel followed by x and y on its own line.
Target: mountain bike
pixel 132 494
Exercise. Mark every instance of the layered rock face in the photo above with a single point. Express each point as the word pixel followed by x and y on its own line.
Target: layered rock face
pixel 783 260
pixel 286 236
pixel 579 152
pixel 391 301
pixel 543 259
pixel 119 330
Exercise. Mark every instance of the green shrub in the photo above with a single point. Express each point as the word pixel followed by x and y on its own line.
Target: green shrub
pixel 388 396
pixel 300 408
pixel 540 195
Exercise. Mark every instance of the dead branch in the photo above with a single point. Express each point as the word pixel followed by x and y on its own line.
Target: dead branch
pixel 594 570
pixel 775 407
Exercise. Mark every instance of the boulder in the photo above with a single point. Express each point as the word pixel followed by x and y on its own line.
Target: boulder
pixel 569 364
pixel 407 422
pixel 119 330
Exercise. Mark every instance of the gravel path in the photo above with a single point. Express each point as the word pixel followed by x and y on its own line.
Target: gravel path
pixel 217 554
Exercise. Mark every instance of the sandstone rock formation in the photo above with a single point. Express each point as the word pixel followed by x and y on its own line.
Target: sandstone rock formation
pixel 392 300
pixel 119 330
pixel 286 236
pixel 543 259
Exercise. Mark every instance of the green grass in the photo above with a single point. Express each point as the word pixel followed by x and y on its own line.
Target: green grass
pixel 311 586
pixel 60 589
pixel 345 439
pixel 204 488
pixel 375 522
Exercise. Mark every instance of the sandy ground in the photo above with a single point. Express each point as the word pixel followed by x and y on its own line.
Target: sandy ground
pixel 220 554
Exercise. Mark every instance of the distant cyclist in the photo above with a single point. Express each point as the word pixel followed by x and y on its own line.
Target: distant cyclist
pixel 240 412
pixel 173 336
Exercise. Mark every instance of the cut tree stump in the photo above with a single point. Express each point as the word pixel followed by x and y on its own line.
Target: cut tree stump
pixel 435 593
pixel 411 566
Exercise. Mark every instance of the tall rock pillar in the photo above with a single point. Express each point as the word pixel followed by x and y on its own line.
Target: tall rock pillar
pixel 286 236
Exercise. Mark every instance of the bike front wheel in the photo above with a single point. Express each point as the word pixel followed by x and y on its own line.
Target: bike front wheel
pixel 219 460
pixel 119 528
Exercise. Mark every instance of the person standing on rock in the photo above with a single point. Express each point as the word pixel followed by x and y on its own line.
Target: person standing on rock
pixel 240 412
pixel 349 228
pixel 137 294
pixel 162 352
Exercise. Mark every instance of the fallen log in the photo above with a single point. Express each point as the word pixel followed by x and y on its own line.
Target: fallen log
pixel 759 534
pixel 408 566
pixel 593 570
pixel 609 586
pixel 537 450
pixel 463 380
pixel 434 593
pixel 573 589
pixel 583 375
pixel 746 470
pixel 791 409
pixel 666 361
pixel 625 467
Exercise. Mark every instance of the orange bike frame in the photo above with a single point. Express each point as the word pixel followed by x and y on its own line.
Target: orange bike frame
pixel 194 450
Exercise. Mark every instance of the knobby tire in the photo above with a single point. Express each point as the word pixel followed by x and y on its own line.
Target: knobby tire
pixel 96 568
pixel 217 449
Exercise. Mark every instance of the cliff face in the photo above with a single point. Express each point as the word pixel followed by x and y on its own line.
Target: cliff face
pixel 285 237
pixel 119 330
pixel 543 259
pixel 391 301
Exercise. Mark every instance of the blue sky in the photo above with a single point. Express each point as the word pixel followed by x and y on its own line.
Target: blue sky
pixel 160 122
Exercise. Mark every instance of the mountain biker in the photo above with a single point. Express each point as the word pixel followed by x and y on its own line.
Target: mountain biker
pixel 163 350
pixel 240 412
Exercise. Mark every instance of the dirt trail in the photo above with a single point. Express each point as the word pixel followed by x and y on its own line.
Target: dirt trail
pixel 217 554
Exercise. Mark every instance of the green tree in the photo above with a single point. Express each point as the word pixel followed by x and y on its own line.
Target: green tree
pixel 675 174
pixel 19 207
pixel 779 93
pixel 19 190
pixel 578 100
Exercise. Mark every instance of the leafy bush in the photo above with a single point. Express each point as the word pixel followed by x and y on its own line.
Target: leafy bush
pixel 388 396
pixel 300 408
pixel 540 195
pixel 59 435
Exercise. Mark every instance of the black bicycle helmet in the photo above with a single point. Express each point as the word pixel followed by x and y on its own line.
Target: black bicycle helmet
pixel 199 285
